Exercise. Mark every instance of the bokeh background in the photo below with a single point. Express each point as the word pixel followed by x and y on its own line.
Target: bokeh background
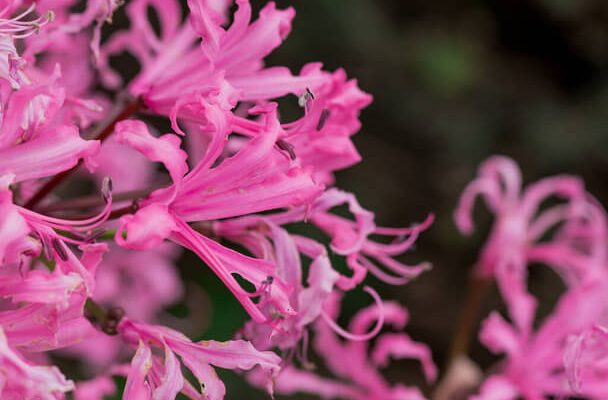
pixel 453 83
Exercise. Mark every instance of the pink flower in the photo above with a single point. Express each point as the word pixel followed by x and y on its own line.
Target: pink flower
pixel 20 379
pixel 153 376
pixel 350 362
pixel 568 237
pixel 234 54
pixel 585 362
pixel 515 239
pixel 247 177
pixel 257 178
pixel 268 241
pixel 142 283
pixel 321 138
pixel 352 239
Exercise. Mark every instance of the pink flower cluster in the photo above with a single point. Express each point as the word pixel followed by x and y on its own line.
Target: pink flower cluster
pixel 90 276
pixel 556 223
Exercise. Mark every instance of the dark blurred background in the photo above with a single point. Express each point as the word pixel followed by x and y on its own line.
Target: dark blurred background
pixel 453 83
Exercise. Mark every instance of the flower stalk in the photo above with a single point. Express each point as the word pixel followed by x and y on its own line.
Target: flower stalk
pixel 128 109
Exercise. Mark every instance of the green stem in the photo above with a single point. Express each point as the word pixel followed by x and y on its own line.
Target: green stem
pixel 94 310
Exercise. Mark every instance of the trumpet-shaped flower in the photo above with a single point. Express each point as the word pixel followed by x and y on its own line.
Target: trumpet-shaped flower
pixel 257 178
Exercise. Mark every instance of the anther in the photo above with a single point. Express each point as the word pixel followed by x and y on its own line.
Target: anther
pixel 287 147
pixel 50 16
pixel 94 235
pixel 323 119
pixel 106 189
pixel 305 98
pixel 59 249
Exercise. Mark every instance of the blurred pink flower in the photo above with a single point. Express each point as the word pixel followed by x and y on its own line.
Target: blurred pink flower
pixel 19 379
pixel 568 237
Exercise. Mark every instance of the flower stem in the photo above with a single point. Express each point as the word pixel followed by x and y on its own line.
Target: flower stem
pixel 478 288
pixel 119 212
pixel 93 201
pixel 104 132
pixel 94 311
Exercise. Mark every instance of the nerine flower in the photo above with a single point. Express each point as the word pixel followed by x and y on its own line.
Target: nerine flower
pixel 352 239
pixel 153 376
pixel 517 235
pixel 257 178
pixel 234 54
pixel 568 237
pixel 268 241
pixel 585 362
pixel 12 28
pixel 20 379
pixel 252 176
pixel 353 363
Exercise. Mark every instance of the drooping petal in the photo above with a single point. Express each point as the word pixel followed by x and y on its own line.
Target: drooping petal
pixel 39 286
pixel 172 381
pixel 145 229
pixel 235 354
pixel 53 154
pixel 498 335
pixel 22 380
pixel 321 280
pixel 225 262
pixel 346 236
pixel 165 149
pixel 14 229
pixel 401 346
pixel 136 387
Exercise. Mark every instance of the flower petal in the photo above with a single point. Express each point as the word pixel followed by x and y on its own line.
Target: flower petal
pixel 53 154
pixel 145 229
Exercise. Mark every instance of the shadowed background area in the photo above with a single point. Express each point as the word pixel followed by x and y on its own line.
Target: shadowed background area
pixel 453 83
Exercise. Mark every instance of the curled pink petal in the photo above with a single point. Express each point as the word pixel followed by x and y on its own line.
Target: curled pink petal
pixel 360 337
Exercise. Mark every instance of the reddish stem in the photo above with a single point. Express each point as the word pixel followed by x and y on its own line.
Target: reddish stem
pixel 477 290
pixel 119 212
pixel 129 109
